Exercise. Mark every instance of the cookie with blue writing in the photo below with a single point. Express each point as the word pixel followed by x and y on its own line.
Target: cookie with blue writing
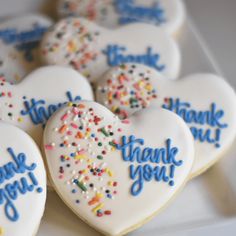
pixel 92 50
pixel 167 14
pixel 115 175
pixel 30 103
pixel 22 34
pixel 22 183
pixel 206 102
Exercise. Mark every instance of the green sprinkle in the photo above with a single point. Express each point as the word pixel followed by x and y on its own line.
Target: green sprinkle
pixel 112 144
pixel 99 157
pixel 99 144
pixel 104 132
pixel 81 186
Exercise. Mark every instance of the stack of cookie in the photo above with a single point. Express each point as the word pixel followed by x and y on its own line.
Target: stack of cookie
pixel 98 97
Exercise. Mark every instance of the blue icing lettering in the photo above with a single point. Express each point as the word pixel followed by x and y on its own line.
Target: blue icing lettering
pixel 115 56
pixel 211 117
pixel 163 162
pixel 11 191
pixel 38 111
pixel 129 12
pixel 24 41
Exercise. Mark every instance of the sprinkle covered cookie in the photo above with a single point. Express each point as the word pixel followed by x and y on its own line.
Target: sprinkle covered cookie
pixel 30 103
pixel 206 102
pixel 103 167
pixel 92 50
pixel 167 14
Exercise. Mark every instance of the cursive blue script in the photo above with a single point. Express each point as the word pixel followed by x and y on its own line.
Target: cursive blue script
pixel 163 162
pixel 25 41
pixel 115 56
pixel 40 112
pixel 211 117
pixel 11 191
pixel 129 12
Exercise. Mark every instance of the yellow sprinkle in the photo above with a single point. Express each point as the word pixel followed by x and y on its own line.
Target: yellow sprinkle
pixel 1 231
pixel 109 172
pixel 98 207
pixel 110 183
pixel 87 134
pixel 70 104
pixel 79 157
pixel 113 109
pixel 148 87
pixel 113 149
pixel 99 195
pixel 20 119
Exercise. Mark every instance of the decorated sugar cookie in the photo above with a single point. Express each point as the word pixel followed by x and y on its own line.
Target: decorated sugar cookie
pixel 22 183
pixel 168 14
pixel 206 102
pixel 116 175
pixel 12 65
pixel 30 103
pixel 20 37
pixel 92 50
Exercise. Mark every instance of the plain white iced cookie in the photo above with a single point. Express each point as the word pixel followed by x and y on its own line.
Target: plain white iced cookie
pixel 116 175
pixel 167 14
pixel 92 50
pixel 206 102
pixel 21 34
pixel 22 183
pixel 30 103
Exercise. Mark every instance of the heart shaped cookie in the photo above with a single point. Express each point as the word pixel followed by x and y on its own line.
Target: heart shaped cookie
pixel 22 34
pixel 12 65
pixel 168 14
pixel 116 175
pixel 22 183
pixel 206 102
pixel 92 50
pixel 30 103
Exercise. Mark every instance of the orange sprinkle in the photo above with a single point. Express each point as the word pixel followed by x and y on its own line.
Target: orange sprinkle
pixel 63 129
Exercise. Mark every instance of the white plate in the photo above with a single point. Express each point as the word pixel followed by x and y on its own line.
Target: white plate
pixel 206 200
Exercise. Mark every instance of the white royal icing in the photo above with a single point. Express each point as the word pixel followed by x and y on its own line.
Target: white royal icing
pixel 29 104
pixel 89 173
pixel 92 50
pixel 167 14
pixel 20 38
pixel 22 183
pixel 211 112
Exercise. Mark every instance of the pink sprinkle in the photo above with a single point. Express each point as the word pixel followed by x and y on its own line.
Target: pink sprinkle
pixel 125 121
pixel 81 152
pixel 64 117
pixel 60 176
pixel 75 111
pixel 69 132
pixel 9 94
pixel 49 147
pixel 136 86
pixel 74 125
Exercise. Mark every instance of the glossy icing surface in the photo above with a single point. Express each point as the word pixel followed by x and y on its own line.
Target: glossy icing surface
pixel 92 50
pixel 30 103
pixel 105 169
pixel 206 102
pixel 22 183
pixel 167 14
